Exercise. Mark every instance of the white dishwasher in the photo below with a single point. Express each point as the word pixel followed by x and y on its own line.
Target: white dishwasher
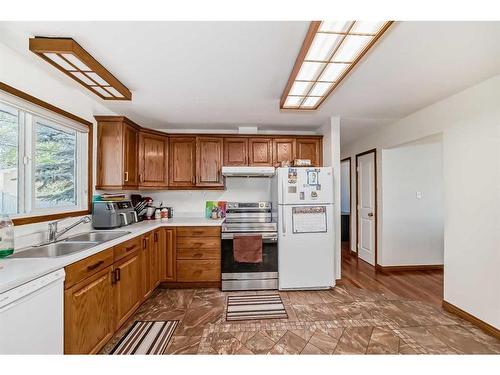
pixel 32 316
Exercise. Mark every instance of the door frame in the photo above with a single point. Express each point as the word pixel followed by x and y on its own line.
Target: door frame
pixel 349 159
pixel 374 151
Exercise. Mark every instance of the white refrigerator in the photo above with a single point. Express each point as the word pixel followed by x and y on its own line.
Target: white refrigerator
pixel 303 205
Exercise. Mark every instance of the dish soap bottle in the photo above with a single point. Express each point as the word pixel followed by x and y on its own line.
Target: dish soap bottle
pixel 6 236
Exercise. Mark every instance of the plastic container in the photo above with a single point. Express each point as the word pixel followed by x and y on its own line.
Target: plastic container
pixel 6 236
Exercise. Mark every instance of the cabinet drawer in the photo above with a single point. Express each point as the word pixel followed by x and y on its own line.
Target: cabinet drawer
pixel 86 267
pixel 198 270
pixel 127 248
pixel 197 243
pixel 198 231
pixel 198 253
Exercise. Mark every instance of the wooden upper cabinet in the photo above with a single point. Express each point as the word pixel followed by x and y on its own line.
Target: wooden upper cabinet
pixel 260 152
pixel 209 161
pixel 117 153
pixel 235 151
pixel 310 148
pixel 283 150
pixel 153 160
pixel 182 161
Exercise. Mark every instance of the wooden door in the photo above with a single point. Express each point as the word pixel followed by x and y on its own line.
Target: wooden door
pixel 154 260
pixel 88 314
pixel 283 150
pixel 153 160
pixel 235 151
pixel 130 159
pixel 128 287
pixel 260 152
pixel 310 148
pixel 366 206
pixel 209 161
pixel 182 160
pixel 167 255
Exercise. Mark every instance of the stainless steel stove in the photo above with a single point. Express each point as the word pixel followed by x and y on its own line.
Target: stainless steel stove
pixel 250 219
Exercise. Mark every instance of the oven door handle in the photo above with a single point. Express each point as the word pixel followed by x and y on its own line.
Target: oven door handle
pixel 265 237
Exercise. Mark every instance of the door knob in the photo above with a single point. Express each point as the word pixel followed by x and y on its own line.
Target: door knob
pixel 370 214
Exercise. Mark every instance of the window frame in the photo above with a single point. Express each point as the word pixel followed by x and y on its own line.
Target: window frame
pixel 32 107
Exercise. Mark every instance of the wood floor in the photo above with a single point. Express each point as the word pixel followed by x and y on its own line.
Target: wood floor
pixel 426 286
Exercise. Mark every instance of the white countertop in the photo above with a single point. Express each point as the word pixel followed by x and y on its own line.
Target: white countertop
pixel 17 271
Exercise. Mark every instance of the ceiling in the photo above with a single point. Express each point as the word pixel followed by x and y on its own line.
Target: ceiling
pixel 218 75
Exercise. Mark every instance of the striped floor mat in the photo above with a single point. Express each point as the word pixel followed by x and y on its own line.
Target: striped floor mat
pixel 250 307
pixel 145 337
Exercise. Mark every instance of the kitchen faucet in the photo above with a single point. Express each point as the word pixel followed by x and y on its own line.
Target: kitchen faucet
pixel 54 234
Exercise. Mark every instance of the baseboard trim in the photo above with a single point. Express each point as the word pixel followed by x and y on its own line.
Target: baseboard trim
pixel 488 328
pixel 353 253
pixel 425 267
pixel 190 285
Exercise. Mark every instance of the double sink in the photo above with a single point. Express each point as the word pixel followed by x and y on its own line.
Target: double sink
pixel 70 245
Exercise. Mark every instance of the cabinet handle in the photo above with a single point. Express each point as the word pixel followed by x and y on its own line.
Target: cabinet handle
pixel 141 179
pixel 94 266
pixel 126 176
pixel 155 237
pixel 127 249
pixel 117 275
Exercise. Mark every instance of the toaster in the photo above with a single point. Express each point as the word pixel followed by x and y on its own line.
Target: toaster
pixel 109 215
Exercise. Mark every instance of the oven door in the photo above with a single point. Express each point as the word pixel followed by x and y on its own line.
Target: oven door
pixel 269 255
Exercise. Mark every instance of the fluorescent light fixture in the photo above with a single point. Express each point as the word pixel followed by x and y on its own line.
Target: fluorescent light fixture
pixel 55 58
pixel 70 58
pixel 84 78
pixel 97 78
pixel 351 47
pixel 322 46
pixel 76 62
pixel 331 49
pixel 310 71
pixel 102 91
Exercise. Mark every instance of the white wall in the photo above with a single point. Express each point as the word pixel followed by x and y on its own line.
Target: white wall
pixel 344 187
pixel 470 123
pixel 331 158
pixel 413 204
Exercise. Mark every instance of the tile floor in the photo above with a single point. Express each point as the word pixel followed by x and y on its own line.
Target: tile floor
pixel 344 320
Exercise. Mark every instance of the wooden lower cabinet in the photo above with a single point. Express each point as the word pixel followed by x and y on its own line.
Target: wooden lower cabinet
pixel 167 254
pixel 88 314
pixel 128 289
pixel 104 290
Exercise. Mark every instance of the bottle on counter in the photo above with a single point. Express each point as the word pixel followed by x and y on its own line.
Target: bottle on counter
pixel 164 213
pixel 6 236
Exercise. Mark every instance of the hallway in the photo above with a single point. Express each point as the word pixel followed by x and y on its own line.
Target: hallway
pixel 425 286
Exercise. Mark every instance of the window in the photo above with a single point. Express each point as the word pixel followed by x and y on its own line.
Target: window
pixel 43 161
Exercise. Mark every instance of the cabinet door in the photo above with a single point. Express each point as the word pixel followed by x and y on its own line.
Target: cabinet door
pixel 209 161
pixel 235 151
pixel 167 255
pixel 310 148
pixel 260 152
pixel 283 150
pixel 88 314
pixel 182 168
pixel 128 287
pixel 146 251
pixel 153 160
pixel 154 261
pixel 130 159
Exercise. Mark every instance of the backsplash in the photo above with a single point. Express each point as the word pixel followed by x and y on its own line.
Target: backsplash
pixel 184 202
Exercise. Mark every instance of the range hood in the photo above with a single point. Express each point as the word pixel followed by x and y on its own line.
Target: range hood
pixel 248 171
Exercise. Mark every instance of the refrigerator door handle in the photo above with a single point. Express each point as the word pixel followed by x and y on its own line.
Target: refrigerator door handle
pixel 283 219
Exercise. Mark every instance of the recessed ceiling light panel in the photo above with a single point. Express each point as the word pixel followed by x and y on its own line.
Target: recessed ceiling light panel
pixel 69 57
pixel 329 52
